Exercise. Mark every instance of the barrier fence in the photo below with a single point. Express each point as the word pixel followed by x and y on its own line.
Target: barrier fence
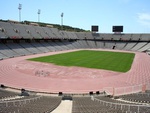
pixel 126 90
pixel 129 108
pixel 18 102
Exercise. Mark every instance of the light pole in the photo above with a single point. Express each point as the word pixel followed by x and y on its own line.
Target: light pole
pixel 20 7
pixel 62 14
pixel 39 12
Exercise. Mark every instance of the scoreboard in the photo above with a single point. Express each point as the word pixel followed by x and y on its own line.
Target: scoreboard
pixel 94 28
pixel 117 28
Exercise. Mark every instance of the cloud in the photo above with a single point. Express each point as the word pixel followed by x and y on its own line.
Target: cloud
pixel 144 16
pixel 144 19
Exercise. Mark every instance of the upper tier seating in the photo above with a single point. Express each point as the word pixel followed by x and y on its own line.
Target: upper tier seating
pixel 9 31
pixel 130 42
pixel 23 32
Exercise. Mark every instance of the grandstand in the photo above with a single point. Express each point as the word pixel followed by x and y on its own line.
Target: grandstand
pixel 20 41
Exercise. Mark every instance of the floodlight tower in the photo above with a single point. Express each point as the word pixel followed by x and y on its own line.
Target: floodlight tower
pixel 20 7
pixel 62 15
pixel 39 12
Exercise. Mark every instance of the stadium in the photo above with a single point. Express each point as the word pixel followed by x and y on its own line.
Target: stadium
pixel 75 56
pixel 22 70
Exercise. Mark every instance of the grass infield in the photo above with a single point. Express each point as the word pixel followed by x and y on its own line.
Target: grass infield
pixel 114 61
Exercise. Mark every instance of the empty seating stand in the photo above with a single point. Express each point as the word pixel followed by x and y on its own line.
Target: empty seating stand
pixel 36 39
pixel 7 52
pixel 63 34
pixel 137 97
pixel 130 45
pixel 81 35
pixel 5 94
pixel 32 104
pixel 120 45
pixel 2 33
pixel 9 30
pixel 22 31
pixel 145 37
pixel 56 33
pixel 89 35
pixel 48 46
pixel 88 105
pixel 49 33
pixel 40 47
pixel 29 47
pixel 138 46
pixel 32 31
pixel 41 32
pixel 104 104
pixel 106 36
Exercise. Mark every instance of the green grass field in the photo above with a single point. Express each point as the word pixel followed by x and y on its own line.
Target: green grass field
pixel 115 61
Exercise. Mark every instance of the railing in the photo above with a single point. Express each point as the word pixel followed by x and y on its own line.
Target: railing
pixel 18 102
pixel 148 86
pixel 126 90
pixel 131 108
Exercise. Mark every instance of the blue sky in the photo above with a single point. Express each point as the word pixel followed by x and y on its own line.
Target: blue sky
pixel 134 15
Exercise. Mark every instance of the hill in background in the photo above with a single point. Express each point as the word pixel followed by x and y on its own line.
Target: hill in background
pixel 59 27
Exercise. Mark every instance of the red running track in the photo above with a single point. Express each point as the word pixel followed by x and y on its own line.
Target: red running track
pixel 43 77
